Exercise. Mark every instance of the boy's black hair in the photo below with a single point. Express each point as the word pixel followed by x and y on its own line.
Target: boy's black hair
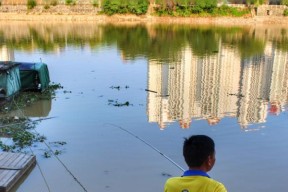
pixel 196 149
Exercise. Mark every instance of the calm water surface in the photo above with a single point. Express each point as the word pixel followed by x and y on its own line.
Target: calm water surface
pixel 229 83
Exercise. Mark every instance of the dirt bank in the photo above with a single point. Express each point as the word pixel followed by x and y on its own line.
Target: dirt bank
pixel 47 17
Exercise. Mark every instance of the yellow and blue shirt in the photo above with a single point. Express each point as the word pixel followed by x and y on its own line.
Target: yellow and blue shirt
pixel 193 181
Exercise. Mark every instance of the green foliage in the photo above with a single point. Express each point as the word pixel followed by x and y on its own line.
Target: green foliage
pixel 31 4
pixel 185 7
pixel 19 129
pixel 284 2
pixel 255 2
pixel 95 3
pixel 70 2
pixel 138 7
pixel 225 10
pixel 207 5
pixel 285 13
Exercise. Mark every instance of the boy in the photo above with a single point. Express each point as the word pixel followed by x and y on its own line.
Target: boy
pixel 199 154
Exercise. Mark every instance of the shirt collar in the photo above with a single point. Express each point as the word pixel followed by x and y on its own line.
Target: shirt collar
pixel 195 173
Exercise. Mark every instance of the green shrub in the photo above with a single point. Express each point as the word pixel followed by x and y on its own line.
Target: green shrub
pixel 70 2
pixel 31 4
pixel 225 10
pixel 46 6
pixel 185 7
pixel 137 7
pixel 207 5
pixel 285 12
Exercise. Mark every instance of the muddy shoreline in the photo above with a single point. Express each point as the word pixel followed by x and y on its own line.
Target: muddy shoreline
pixel 44 17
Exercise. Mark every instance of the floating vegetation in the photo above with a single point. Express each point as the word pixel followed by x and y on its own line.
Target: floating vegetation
pixel 18 133
pixel 118 104
pixel 115 102
pixel 50 152
pixel 119 87
pixel 57 143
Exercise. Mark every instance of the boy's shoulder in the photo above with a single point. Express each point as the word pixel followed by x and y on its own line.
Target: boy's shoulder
pixel 194 182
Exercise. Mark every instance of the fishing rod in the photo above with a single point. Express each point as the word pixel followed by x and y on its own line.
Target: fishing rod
pixel 40 119
pixel 148 144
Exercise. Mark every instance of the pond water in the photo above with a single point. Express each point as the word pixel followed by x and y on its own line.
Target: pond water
pixel 132 92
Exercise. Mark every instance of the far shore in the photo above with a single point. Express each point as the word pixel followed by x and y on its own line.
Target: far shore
pixel 48 17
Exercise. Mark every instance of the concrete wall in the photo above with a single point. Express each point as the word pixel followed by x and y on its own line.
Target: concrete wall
pixel 270 10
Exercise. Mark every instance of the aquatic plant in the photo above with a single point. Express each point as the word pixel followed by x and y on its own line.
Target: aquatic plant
pixel 115 103
pixel 18 133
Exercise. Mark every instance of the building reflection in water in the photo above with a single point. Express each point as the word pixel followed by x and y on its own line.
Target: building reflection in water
pixel 6 54
pixel 218 86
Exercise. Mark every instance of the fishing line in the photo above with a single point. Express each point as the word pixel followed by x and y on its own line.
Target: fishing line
pixel 66 168
pixel 41 172
pixel 148 144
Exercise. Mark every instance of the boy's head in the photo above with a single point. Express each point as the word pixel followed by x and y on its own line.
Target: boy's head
pixel 199 152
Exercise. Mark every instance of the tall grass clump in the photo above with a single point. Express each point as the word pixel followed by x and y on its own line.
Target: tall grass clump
pixel 137 7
